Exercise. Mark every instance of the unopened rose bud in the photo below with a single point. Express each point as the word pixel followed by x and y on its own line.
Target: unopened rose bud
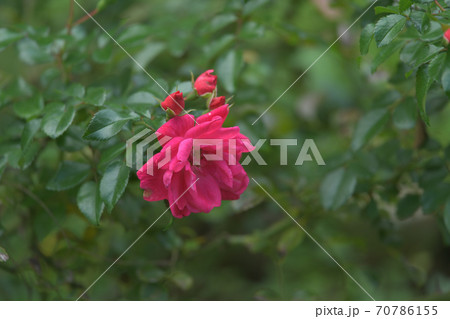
pixel 447 36
pixel 217 102
pixel 174 102
pixel 205 83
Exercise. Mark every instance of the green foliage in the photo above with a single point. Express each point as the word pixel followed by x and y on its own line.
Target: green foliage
pixel 378 111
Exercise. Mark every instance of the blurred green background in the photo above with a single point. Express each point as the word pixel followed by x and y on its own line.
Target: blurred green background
pixel 381 208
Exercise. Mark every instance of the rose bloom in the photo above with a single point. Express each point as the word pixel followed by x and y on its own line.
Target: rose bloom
pixel 205 83
pixel 217 102
pixel 174 102
pixel 176 179
pixel 447 36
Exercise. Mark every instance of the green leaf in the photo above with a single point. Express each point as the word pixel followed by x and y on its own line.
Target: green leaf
pixel 366 38
pixel 28 155
pixel 28 133
pixel 417 52
pixel 385 53
pixel 447 215
pixel 252 5
pixel 407 206
pixel 90 203
pixel 95 96
pixel 57 119
pixel 228 68
pixel 388 28
pixel 76 90
pixel 220 21
pixel 369 126
pixel 110 154
pixel 29 108
pixel 434 198
pixel 3 255
pixel 436 66
pixel 113 183
pixel 147 54
pixel 446 79
pixel 404 5
pixel 336 188
pixel 69 175
pixel 390 9
pixel 103 55
pixel 422 87
pixel 105 124
pixel 405 114
pixel 142 102
pixel 31 53
pixel 7 37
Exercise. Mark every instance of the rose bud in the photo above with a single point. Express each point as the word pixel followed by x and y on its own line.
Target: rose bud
pixel 447 36
pixel 217 102
pixel 205 83
pixel 174 102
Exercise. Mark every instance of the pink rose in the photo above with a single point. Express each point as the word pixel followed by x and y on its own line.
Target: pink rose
pixel 205 83
pixel 220 179
pixel 174 102
pixel 447 36
pixel 216 102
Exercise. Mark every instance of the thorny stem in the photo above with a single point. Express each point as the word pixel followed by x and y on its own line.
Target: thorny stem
pixel 439 5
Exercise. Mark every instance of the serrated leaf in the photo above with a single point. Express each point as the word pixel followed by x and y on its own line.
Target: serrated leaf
pixel 90 203
pixel 28 155
pixel 405 114
pixel 28 133
pixel 113 183
pixel 336 188
pixel 142 102
pixel 366 38
pixel 422 87
pixel 390 9
pixel 369 126
pixel 385 53
pixel 404 5
pixel 436 66
pixel 95 96
pixel 388 28
pixel 69 175
pixel 29 108
pixel 105 124
pixel 57 119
